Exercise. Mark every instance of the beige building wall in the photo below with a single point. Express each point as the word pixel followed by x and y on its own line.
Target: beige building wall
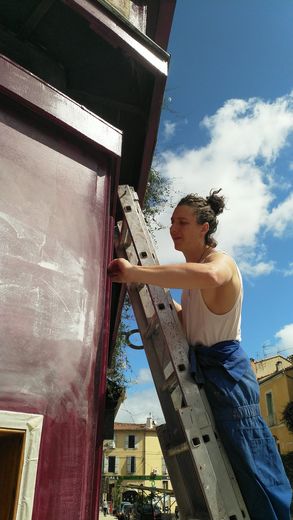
pixel 122 452
pixel 267 366
pixel 275 393
pixel 153 453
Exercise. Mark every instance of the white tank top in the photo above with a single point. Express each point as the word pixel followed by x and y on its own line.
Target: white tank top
pixel 202 326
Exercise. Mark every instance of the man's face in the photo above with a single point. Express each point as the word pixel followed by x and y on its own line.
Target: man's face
pixel 185 231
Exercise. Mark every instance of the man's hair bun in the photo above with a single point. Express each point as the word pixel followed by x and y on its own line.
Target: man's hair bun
pixel 216 202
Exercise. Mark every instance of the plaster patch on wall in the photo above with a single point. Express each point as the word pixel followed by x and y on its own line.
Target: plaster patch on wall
pixel 27 243
pixel 56 293
pixel 51 245
pixel 52 266
pixel 51 299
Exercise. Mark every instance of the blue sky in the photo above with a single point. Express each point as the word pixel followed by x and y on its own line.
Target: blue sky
pixel 228 122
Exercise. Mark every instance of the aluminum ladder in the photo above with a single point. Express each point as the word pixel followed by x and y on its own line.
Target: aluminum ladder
pixel 202 478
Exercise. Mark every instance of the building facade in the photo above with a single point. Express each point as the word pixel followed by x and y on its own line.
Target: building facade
pixel 133 460
pixel 275 377
pixel 270 365
pixel 276 391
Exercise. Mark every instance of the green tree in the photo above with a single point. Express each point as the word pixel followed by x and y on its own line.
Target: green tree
pixel 288 416
pixel 157 195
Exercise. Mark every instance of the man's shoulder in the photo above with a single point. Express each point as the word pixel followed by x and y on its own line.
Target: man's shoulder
pixel 221 258
pixel 215 254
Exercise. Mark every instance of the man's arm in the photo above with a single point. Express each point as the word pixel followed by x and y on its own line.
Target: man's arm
pixel 215 272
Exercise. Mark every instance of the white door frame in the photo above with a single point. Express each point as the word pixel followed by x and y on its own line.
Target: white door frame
pixel 31 424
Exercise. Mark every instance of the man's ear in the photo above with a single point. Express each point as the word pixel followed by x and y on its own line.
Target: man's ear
pixel 205 228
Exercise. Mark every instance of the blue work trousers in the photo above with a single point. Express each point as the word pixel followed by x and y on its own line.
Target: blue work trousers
pixel 233 393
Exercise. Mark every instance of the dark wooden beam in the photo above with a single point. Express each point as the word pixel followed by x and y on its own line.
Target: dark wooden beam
pixel 34 19
pixel 151 135
pixel 19 84
pixel 111 28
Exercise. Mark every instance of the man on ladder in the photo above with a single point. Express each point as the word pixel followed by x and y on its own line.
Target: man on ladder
pixel 211 316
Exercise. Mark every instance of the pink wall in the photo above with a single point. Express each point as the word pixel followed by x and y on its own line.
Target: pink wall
pixel 55 234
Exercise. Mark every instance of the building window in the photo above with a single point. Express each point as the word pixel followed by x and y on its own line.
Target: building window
pixel 131 465
pixel 130 441
pixel 270 409
pixel 164 467
pixel 111 464
pixel 111 467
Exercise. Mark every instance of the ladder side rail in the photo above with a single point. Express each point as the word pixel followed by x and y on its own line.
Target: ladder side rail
pixel 184 498
pixel 153 354
pixel 156 352
pixel 134 218
pixel 157 357
pixel 145 313
pixel 152 317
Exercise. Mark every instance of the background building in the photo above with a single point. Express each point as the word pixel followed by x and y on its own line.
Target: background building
pixel 276 391
pixel 270 365
pixel 275 377
pixel 134 458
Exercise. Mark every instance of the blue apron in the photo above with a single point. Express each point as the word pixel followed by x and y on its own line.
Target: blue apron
pixel 233 393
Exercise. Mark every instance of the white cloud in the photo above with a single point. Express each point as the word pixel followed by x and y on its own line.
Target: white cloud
pixel 169 129
pixel 285 338
pixel 260 268
pixel 289 271
pixel 137 407
pixel 246 130
pixel 281 217
pixel 246 138
pixel 144 376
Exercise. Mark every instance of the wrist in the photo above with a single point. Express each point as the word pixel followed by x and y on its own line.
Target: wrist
pixel 134 273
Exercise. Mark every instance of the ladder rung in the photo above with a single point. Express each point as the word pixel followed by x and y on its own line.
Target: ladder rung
pixel 171 383
pixel 176 450
pixel 151 328
pixel 122 236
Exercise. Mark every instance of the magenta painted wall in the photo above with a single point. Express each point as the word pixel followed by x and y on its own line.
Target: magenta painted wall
pixel 55 240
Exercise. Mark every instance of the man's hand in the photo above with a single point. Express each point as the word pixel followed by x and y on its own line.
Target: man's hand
pixel 120 270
